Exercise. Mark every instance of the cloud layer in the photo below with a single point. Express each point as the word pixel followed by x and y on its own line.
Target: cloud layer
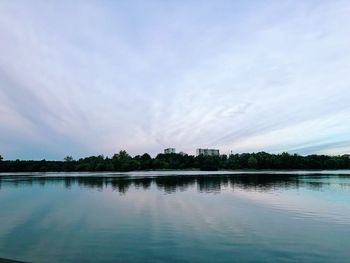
pixel 95 77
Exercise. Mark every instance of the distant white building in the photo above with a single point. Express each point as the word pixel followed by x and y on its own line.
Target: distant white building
pixel 207 152
pixel 169 150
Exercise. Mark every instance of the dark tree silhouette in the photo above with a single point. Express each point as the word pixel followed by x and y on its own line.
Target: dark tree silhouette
pixel 123 162
pixel 68 158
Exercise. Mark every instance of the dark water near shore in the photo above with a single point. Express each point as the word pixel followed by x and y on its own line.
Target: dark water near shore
pixel 175 217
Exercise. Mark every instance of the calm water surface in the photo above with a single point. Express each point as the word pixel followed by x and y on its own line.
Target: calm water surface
pixel 175 217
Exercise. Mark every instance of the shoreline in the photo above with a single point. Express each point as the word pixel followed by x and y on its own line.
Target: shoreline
pixel 182 173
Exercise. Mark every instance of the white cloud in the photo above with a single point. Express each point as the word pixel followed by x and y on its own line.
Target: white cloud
pixel 96 77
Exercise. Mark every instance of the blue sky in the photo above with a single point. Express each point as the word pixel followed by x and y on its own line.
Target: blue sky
pixel 95 77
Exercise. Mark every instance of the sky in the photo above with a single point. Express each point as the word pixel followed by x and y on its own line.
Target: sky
pixel 85 78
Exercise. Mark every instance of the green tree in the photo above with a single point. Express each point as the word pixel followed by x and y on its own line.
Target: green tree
pixel 68 164
pixel 68 158
pixel 122 161
pixel 145 162
pixel 1 158
pixel 252 162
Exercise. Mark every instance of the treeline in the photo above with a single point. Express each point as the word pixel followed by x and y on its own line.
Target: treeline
pixel 123 162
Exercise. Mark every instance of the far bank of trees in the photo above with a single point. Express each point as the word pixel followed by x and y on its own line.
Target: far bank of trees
pixel 123 162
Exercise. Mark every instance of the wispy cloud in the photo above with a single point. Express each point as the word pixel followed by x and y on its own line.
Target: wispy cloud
pixel 88 77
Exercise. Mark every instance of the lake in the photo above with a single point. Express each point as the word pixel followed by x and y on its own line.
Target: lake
pixel 176 217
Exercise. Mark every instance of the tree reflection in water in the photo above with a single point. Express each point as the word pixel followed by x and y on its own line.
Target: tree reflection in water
pixel 174 183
